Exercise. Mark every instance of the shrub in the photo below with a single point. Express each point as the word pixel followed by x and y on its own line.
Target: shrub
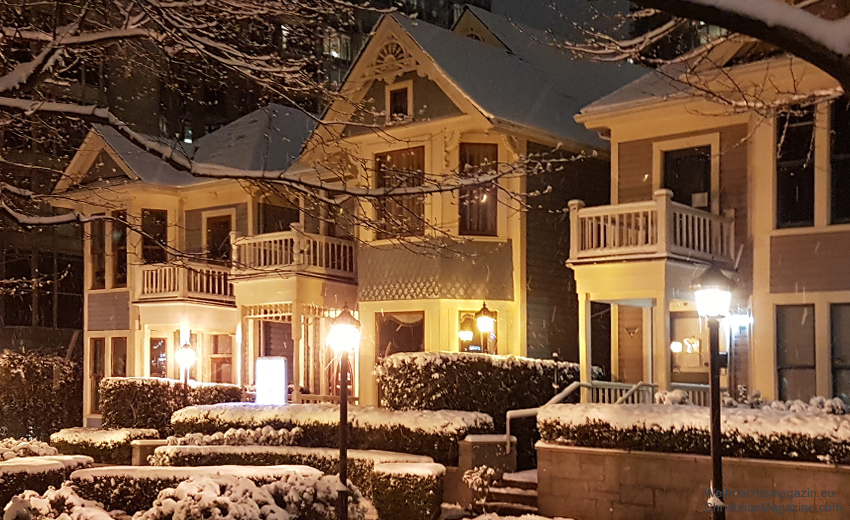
pixel 361 463
pixel 768 433
pixel 36 473
pixel 409 491
pixel 431 433
pixel 134 488
pixel 38 395
pixel 148 402
pixel 104 446
pixel 265 436
pixel 14 448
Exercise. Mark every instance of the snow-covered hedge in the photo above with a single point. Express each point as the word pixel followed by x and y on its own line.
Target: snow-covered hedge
pixel 104 446
pixel 409 491
pixel 36 473
pixel 361 463
pixel 431 433
pixel 148 402
pixel 265 436
pixel 134 488
pixel 14 448
pixel 811 433
pixel 38 395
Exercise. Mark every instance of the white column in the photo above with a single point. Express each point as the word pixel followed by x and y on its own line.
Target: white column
pixel 296 350
pixel 615 342
pixel 584 344
pixel 661 341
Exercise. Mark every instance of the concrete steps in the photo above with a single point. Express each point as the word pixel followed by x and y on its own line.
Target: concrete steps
pixel 516 496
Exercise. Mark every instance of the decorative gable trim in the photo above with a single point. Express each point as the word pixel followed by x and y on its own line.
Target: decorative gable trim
pixel 392 61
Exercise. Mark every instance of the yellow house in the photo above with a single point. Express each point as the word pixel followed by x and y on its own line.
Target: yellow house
pixel 737 159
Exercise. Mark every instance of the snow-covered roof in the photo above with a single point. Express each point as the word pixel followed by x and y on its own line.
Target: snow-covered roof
pixel 532 84
pixel 658 85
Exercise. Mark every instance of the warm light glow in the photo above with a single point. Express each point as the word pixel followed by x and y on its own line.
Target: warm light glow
pixel 345 332
pixel 270 378
pixel 185 334
pixel 186 357
pixel 465 335
pixel 676 346
pixel 485 324
pixel 239 334
pixel 712 302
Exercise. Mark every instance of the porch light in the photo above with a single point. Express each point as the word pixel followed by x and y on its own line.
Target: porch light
pixel 345 332
pixel 485 319
pixel 713 293
pixel 676 346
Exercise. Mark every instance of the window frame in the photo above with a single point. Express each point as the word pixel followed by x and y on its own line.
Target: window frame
pixel 711 140
pixel 779 365
pixel 491 191
pixel 816 117
pixel 385 205
pixel 146 241
pixel 213 214
pixel 394 87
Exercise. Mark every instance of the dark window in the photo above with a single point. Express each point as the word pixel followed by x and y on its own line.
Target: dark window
pixel 840 162
pixel 159 357
pixel 277 342
pixel 97 249
pixel 70 289
pixel 218 238
pixel 19 305
pixel 399 104
pixel 97 368
pixel 687 172
pixel 478 207
pixel 119 357
pixel 400 215
pixel 795 351
pixel 46 289
pixel 840 343
pixel 221 360
pixel 795 168
pixel 400 332
pixel 277 218
pixel 155 229
pixel 119 249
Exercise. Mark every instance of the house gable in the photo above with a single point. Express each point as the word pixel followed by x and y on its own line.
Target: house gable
pixel 94 162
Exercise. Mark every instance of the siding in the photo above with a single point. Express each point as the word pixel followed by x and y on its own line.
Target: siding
pixel 195 224
pixel 810 262
pixel 630 353
pixel 634 180
pixel 109 311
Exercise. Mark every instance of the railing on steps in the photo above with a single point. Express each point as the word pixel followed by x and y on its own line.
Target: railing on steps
pixel 600 392
pixel 697 394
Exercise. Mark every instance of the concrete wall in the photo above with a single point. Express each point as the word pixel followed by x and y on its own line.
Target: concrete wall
pixel 598 484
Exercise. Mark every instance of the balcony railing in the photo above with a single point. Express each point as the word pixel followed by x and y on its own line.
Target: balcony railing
pixel 185 281
pixel 294 251
pixel 654 228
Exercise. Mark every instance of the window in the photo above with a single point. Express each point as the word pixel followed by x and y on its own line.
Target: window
pixel 159 357
pixel 399 109
pixel 400 332
pixel 478 208
pixel 19 305
pixel 337 45
pixel 840 347
pixel 97 250
pixel 155 229
pixel 795 351
pixel 70 292
pixel 795 168
pixel 687 173
pixel 97 369
pixel 400 215
pixel 284 36
pixel 840 162
pixel 218 238
pixel 221 359
pixel 119 249
pixel 119 357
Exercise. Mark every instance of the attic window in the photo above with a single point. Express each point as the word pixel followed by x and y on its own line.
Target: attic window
pixel 399 101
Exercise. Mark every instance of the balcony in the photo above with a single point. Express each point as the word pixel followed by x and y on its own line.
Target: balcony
pixel 294 252
pixel 190 281
pixel 658 228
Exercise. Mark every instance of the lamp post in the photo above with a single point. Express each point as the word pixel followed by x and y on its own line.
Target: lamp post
pixel 485 319
pixel 344 337
pixel 713 295
pixel 186 357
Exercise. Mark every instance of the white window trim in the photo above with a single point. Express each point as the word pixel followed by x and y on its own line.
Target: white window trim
pixel 712 140
pixel 407 84
pixel 206 215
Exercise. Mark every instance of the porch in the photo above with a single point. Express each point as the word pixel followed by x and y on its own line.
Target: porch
pixel 185 281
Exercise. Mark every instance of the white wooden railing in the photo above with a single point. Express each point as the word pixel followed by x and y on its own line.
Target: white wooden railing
pixel 294 250
pixel 654 228
pixel 697 394
pixel 190 280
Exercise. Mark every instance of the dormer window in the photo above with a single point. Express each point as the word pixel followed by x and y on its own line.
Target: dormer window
pixel 400 101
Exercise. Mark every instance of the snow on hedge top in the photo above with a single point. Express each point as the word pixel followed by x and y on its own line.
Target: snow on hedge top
pixel 254 415
pixel 102 438
pixel 752 422
pixel 11 448
pixel 375 456
pixel 419 470
pixel 424 359
pixel 185 472
pixel 144 381
pixel 47 464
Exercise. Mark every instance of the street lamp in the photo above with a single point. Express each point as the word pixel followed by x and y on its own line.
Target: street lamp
pixel 713 295
pixel 343 338
pixel 485 319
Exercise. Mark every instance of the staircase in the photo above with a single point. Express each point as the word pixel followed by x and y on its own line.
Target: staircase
pixel 515 496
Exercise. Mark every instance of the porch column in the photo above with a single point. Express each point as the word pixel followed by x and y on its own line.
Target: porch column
pixel 661 363
pixel 584 346
pixel 296 351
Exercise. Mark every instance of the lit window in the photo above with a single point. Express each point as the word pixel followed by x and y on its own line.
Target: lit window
pixel 284 36
pixel 337 45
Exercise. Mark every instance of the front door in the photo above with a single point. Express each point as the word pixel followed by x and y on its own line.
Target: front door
pixel 277 342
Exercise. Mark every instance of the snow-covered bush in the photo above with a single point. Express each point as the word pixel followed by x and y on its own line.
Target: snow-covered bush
pixel 265 436
pixel 408 491
pixel 134 488
pixel 54 503
pixel 104 446
pixel 797 432
pixel 479 480
pixel 36 473
pixel 361 463
pixel 13 448
pixel 148 402
pixel 38 395
pixel 431 433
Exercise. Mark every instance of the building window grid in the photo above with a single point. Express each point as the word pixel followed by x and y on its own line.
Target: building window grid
pixel 840 161
pixel 795 351
pixel 400 215
pixel 478 204
pixel 795 168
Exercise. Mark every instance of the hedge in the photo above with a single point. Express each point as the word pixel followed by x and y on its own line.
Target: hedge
pixel 148 402
pixel 135 488
pixel 361 463
pixel 14 448
pixel 36 473
pixel 409 491
pixel 431 433
pixel 104 446
pixel 767 433
pixel 38 395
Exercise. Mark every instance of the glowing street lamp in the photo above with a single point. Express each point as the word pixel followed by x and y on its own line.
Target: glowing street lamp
pixel 186 357
pixel 485 319
pixel 344 338
pixel 713 295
